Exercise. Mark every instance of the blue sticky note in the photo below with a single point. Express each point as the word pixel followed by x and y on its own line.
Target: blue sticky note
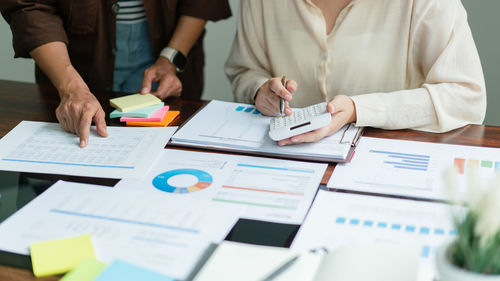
pixel 145 112
pixel 122 271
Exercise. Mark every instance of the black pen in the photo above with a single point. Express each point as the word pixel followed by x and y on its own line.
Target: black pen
pixel 280 269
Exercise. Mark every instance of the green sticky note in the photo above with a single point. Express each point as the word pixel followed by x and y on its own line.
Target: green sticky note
pixel 60 256
pixel 133 102
pixel 87 270
pixel 145 112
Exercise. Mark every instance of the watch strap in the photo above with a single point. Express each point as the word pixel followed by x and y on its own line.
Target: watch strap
pixel 176 57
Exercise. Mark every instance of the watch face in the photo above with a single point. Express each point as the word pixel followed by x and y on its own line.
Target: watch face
pixel 179 61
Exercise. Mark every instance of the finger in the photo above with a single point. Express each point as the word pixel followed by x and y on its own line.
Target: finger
pixel 331 106
pixel 100 123
pixel 288 110
pixel 285 142
pixel 165 88
pixel 147 79
pixel 311 136
pixel 74 117
pixel 278 89
pixel 84 128
pixel 291 86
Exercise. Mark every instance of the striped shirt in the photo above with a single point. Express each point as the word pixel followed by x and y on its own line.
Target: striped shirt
pixel 130 12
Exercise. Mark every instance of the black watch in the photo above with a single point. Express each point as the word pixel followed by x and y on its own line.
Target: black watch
pixel 177 58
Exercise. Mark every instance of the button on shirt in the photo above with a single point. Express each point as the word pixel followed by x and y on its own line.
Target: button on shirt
pixel 405 63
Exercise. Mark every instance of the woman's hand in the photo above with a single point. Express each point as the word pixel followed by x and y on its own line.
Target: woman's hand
pixel 267 99
pixel 163 72
pixel 343 112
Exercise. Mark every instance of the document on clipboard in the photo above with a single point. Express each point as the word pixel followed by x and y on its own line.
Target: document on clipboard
pixel 237 127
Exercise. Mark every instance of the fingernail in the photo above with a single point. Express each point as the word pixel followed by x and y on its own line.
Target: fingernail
pixel 295 139
pixel 144 90
pixel 288 97
pixel 83 143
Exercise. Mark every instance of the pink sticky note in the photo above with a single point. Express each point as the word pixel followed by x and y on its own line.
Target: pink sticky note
pixel 155 117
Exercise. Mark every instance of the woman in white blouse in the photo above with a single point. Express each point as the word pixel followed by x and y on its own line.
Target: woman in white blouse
pixel 391 64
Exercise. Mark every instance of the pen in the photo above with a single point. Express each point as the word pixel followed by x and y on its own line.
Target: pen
pixel 282 100
pixel 280 269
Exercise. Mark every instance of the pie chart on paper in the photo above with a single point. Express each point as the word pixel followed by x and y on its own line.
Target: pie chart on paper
pixel 182 181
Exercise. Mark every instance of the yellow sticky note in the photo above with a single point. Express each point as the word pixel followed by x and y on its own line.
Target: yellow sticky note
pixel 60 256
pixel 135 101
pixel 87 270
pixel 167 119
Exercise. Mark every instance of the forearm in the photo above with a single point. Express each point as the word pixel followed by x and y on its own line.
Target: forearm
pixel 186 33
pixel 53 59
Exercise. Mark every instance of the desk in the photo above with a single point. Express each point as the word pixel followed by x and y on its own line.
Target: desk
pixel 27 101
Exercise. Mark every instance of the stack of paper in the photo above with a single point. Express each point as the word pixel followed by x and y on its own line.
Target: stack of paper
pixel 142 110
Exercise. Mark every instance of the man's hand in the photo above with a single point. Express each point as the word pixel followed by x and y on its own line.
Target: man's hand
pixel 78 106
pixel 343 112
pixel 267 99
pixel 163 72
pixel 77 110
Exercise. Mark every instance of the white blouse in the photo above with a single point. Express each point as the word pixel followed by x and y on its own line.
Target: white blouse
pixel 405 63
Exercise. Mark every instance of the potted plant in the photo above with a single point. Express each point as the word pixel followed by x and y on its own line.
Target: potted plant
pixel 475 253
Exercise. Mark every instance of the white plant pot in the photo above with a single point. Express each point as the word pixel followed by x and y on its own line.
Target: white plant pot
pixel 450 272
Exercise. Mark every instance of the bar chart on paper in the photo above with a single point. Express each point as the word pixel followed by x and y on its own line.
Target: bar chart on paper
pixel 413 169
pixel 338 219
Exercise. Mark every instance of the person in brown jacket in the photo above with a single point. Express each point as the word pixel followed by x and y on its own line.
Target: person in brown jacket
pixel 82 46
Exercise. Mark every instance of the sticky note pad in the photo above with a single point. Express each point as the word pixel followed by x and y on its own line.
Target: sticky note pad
pixel 122 271
pixel 141 112
pixel 155 117
pixel 135 101
pixel 169 117
pixel 60 256
pixel 87 270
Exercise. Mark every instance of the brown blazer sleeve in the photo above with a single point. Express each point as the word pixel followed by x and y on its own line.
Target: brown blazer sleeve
pixel 212 10
pixel 33 23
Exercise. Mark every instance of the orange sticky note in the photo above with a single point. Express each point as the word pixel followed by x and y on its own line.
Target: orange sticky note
pixel 167 119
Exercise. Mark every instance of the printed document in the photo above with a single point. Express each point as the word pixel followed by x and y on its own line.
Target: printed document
pixel 242 128
pixel 141 229
pixel 267 189
pixel 339 219
pixel 41 147
pixel 230 261
pixel 413 169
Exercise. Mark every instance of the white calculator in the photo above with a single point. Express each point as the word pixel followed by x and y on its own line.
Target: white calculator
pixel 301 121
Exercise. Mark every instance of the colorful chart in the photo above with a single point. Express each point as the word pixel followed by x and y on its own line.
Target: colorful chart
pixel 161 181
pixel 461 163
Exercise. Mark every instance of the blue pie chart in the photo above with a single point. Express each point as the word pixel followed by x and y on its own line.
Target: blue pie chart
pixel 160 182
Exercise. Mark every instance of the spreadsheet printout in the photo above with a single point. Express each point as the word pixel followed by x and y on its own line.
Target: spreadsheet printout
pixel 41 147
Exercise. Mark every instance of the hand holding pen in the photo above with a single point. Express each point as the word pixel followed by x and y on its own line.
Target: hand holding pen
pixel 269 96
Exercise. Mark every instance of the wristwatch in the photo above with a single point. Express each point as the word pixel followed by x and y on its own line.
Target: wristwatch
pixel 176 57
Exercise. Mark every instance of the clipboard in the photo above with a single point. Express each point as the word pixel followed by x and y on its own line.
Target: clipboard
pixel 240 128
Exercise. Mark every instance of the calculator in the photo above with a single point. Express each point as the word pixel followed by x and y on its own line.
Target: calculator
pixel 301 121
